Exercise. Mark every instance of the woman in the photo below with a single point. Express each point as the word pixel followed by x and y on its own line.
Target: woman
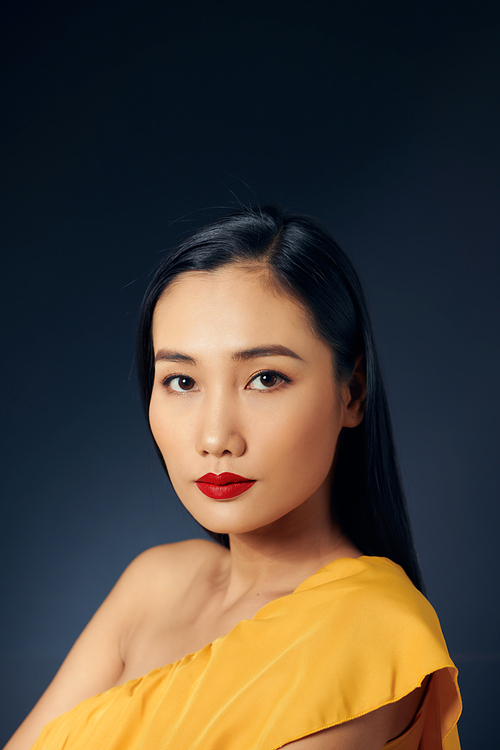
pixel 260 376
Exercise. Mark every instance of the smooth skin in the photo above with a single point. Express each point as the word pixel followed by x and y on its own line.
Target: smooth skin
pixel 242 384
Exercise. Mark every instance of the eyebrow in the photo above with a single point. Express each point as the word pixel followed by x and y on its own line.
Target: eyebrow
pixel 272 350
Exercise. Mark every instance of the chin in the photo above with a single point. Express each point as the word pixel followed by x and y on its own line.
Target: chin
pixel 244 515
pixel 242 525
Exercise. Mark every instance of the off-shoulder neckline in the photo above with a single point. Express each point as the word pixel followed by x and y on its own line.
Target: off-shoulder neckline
pixel 340 562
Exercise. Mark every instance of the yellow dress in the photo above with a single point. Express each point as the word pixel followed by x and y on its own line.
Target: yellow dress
pixel 351 638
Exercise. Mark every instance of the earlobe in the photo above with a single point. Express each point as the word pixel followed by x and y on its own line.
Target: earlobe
pixel 355 408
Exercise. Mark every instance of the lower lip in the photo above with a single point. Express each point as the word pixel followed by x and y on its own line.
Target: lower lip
pixel 224 491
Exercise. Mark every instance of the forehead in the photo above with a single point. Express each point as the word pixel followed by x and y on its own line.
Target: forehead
pixel 231 307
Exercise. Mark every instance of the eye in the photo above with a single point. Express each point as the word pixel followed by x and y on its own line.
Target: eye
pixel 180 383
pixel 267 380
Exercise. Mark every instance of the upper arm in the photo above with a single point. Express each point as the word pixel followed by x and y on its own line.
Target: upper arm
pixel 370 732
pixel 94 663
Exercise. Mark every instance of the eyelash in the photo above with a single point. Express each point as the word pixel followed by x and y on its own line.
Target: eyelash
pixel 283 380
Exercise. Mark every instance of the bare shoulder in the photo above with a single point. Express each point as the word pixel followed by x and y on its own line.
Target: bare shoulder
pixel 172 566
pixel 156 583
pixel 179 552
pixel 156 578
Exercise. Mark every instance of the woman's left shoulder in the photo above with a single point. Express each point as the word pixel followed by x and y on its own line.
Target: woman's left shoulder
pixel 373 597
pixel 379 579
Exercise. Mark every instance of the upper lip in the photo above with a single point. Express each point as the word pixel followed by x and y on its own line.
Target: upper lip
pixel 225 478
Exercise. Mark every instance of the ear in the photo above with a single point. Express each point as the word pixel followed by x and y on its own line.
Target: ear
pixel 356 396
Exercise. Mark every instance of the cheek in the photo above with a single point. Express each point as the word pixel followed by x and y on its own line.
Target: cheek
pixel 173 430
pixel 155 421
pixel 303 444
pixel 165 430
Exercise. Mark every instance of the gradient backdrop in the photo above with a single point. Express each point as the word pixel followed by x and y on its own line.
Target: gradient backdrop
pixel 127 125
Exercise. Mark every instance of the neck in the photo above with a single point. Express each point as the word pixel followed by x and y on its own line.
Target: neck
pixel 275 559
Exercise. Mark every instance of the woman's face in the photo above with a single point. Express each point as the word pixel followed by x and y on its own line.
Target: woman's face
pixel 243 385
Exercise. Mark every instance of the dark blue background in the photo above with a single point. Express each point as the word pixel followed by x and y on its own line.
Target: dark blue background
pixel 129 124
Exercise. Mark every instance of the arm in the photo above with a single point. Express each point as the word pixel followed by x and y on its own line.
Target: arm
pixel 95 662
pixel 369 732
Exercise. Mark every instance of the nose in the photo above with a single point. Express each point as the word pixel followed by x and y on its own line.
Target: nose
pixel 219 431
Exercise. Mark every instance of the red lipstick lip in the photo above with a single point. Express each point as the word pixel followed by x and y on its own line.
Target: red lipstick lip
pixel 222 479
pixel 223 486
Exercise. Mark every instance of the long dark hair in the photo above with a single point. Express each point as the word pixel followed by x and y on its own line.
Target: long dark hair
pixel 368 499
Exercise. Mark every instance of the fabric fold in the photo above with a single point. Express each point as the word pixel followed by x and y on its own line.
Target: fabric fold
pixel 351 638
